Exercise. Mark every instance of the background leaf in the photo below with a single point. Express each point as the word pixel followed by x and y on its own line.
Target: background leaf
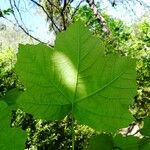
pixel 10 139
pixel 101 142
pixel 126 143
pixel 144 144
pixel 146 129
pixel 107 142
pixel 11 97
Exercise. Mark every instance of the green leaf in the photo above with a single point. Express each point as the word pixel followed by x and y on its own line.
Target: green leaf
pixel 4 115
pixel 11 97
pixel 101 142
pixel 126 143
pixel 144 144
pixel 146 129
pixel 10 138
pixel 8 11
pixel 107 142
pixel 76 77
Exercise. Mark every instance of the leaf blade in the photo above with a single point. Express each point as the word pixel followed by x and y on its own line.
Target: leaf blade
pixel 77 79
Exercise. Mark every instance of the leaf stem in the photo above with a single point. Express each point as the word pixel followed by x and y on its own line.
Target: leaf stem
pixel 73 133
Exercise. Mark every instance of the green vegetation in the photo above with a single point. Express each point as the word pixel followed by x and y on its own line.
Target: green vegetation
pixel 44 74
pixel 13 139
pixel 7 75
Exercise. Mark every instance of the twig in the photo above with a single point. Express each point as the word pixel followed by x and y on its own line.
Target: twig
pixel 19 15
pixel 26 32
pixel 142 3
pixel 76 9
pixel 50 3
pixel 48 16
pixel 62 14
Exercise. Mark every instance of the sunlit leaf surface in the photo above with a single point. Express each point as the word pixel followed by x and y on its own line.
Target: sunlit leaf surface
pixel 76 77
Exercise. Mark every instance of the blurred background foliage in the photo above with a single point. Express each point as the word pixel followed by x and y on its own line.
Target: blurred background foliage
pixel 133 41
pixel 8 77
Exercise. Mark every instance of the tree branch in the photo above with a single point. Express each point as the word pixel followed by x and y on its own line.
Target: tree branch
pixel 62 14
pixel 51 4
pixel 48 16
pixel 98 16
pixel 24 30
pixel 20 15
